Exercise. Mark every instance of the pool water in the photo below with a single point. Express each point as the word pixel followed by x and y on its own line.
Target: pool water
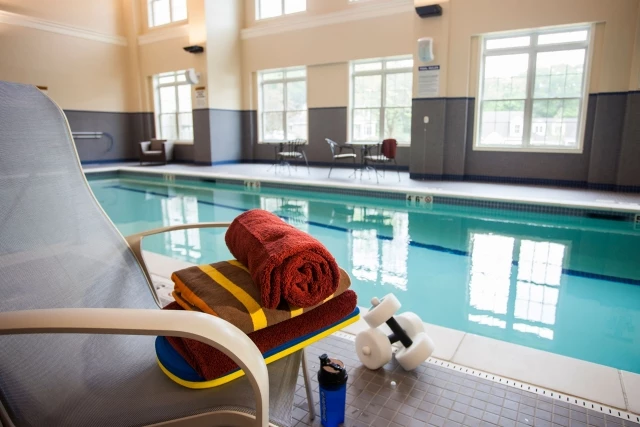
pixel 568 285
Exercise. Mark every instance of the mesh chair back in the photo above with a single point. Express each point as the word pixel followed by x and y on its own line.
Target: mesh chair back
pixel 332 146
pixel 57 249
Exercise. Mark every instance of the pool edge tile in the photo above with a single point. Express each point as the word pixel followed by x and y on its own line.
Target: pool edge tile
pixel 631 383
pixel 552 371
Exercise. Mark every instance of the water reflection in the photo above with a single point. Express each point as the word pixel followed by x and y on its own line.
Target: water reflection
pixel 514 283
pixel 379 244
pixel 294 212
pixel 177 211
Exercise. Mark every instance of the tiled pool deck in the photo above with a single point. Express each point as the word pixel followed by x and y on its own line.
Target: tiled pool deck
pixel 437 396
pixel 343 179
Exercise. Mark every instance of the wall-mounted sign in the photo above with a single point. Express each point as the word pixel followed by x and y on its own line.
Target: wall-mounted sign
pixel 429 81
pixel 201 97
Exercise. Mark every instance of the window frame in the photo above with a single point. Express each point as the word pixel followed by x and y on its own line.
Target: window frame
pixel 532 50
pixel 151 17
pixel 158 108
pixel 383 72
pixel 284 80
pixel 282 2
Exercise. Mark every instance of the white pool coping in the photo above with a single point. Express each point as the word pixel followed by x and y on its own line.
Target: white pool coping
pixel 600 205
pixel 590 381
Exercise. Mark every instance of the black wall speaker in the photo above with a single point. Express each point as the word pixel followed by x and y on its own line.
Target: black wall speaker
pixel 194 49
pixel 429 11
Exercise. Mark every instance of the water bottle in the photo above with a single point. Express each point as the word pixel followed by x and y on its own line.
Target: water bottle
pixel 332 377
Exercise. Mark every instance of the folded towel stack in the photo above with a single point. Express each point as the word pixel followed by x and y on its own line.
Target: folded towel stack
pixel 284 285
pixel 226 289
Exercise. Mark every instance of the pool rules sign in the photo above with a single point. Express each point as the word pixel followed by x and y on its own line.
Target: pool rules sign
pixel 429 81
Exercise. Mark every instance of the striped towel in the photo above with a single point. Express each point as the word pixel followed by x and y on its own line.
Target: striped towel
pixel 226 290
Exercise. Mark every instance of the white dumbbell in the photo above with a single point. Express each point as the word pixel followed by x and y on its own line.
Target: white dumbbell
pixel 374 347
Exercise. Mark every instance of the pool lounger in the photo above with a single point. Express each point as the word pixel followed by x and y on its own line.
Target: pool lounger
pixel 176 368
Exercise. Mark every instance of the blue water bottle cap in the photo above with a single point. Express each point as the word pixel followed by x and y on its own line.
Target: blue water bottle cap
pixel 332 372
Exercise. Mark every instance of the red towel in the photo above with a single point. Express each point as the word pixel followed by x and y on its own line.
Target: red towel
pixel 287 264
pixel 211 363
pixel 389 147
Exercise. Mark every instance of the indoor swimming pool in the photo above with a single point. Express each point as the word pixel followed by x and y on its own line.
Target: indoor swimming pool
pixel 567 285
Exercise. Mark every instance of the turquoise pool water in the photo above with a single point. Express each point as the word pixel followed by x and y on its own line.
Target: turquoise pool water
pixel 566 285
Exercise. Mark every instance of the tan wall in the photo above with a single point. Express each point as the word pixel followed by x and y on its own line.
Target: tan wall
pixel 314 7
pixel 332 44
pixel 328 85
pixel 81 74
pixel 612 61
pixel 165 55
pixel 224 20
pixel 616 48
pixel 103 16
pixel 85 74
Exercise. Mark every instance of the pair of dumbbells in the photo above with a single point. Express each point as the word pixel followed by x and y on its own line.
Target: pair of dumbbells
pixel 375 349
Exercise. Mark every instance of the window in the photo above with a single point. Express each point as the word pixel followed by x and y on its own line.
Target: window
pixel 273 8
pixel 173 106
pixel 533 90
pixel 283 104
pixel 381 99
pixel 163 12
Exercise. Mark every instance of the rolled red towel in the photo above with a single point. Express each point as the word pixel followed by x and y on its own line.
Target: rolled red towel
pixel 211 363
pixel 287 264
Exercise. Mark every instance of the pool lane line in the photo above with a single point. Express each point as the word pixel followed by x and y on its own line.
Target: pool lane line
pixel 431 247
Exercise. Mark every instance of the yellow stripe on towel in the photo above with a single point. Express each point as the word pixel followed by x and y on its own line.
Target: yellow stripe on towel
pixel 254 309
pixel 238 264
pixel 295 311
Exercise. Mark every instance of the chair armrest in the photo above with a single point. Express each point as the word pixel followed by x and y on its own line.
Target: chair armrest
pixel 144 146
pixel 205 328
pixel 168 150
pixel 347 147
pixel 135 243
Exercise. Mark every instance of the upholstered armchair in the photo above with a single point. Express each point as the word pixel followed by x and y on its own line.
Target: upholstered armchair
pixel 156 151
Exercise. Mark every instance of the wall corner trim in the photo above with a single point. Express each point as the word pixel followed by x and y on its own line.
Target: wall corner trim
pixel 173 32
pixel 354 12
pixel 19 20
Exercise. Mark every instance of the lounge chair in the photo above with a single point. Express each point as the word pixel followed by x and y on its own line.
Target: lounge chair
pixel 78 312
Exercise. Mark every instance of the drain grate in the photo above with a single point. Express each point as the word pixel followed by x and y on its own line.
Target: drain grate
pixel 636 222
pixel 573 400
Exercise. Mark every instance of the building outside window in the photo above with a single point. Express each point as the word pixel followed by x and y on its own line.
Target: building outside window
pixel 173 113
pixel 537 80
pixel 283 104
pixel 381 94
pixel 272 8
pixel 163 12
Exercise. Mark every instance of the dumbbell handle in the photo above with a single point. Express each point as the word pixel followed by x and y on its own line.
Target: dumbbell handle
pixel 398 333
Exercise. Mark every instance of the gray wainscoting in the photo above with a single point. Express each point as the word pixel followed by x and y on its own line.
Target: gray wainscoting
pixel 218 136
pixel 608 126
pixel 183 153
pixel 123 132
pixel 201 137
pixel 427 140
pixel 629 163
pixel 443 149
